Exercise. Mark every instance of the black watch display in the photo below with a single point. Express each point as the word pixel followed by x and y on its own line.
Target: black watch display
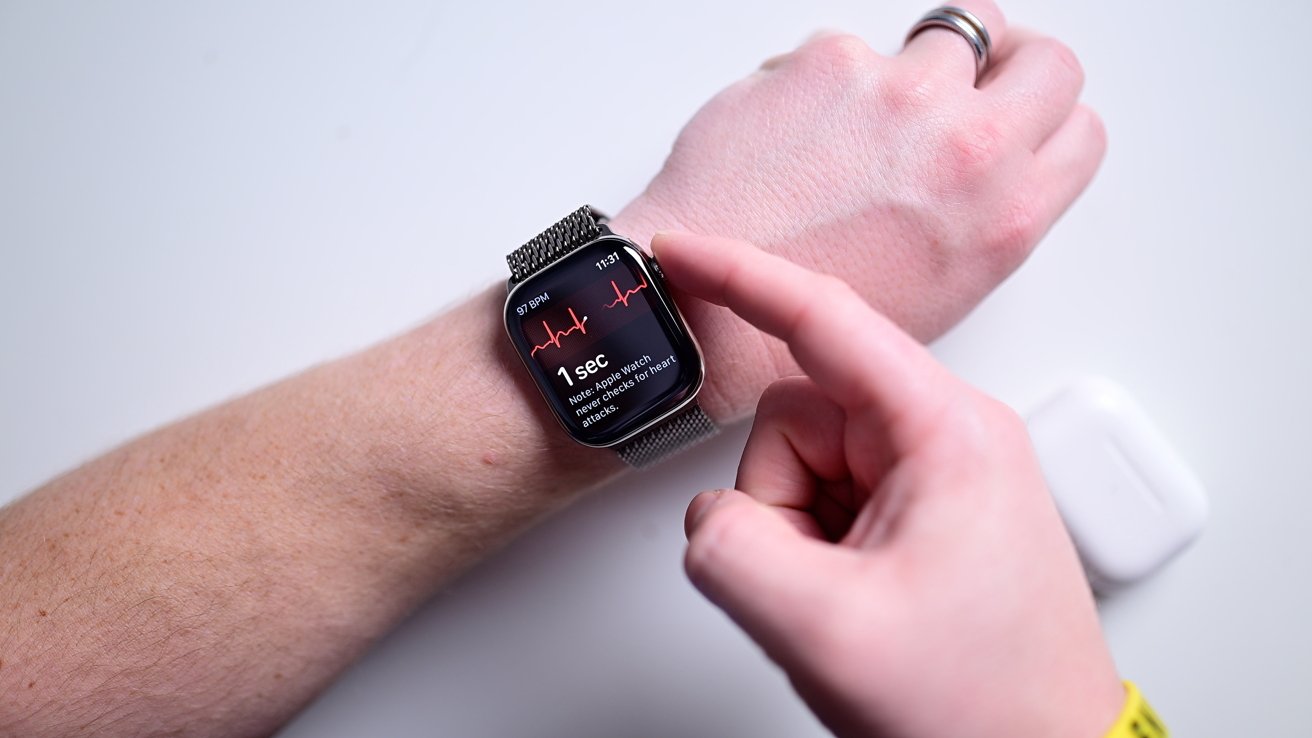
pixel 589 314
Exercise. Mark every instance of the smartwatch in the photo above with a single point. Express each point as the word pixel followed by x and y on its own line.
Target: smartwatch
pixel 589 314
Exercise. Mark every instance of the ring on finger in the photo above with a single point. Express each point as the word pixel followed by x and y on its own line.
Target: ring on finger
pixel 964 23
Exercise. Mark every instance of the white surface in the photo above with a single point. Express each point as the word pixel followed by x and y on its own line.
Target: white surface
pixel 196 201
pixel 1129 500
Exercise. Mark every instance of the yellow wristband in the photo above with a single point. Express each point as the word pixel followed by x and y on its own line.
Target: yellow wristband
pixel 1137 719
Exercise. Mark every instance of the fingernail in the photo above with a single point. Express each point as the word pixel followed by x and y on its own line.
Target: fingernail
pixel 716 495
pixel 657 237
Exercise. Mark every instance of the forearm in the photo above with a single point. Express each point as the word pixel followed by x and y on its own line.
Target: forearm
pixel 244 556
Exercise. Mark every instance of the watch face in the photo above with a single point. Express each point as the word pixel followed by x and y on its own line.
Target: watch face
pixel 604 342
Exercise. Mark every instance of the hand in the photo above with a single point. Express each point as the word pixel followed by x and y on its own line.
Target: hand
pixel 891 543
pixel 894 172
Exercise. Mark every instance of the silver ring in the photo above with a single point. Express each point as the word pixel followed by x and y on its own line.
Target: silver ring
pixel 963 22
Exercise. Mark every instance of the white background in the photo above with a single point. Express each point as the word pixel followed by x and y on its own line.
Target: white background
pixel 197 200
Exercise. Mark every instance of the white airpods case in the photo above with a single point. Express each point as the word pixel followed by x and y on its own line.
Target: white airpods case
pixel 1129 501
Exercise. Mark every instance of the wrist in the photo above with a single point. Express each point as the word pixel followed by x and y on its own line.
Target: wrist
pixel 458 437
pixel 1090 707
pixel 1102 708
pixel 740 360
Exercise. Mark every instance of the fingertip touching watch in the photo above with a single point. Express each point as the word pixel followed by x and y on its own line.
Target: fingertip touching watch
pixel 592 319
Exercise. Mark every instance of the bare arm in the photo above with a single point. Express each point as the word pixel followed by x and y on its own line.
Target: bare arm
pixel 212 577
pixel 244 556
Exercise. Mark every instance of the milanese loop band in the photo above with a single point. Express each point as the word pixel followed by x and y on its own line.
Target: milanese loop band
pixel 572 231
pixel 1137 719
pixel 684 430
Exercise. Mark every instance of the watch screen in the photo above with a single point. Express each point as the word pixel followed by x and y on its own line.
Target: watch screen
pixel 602 340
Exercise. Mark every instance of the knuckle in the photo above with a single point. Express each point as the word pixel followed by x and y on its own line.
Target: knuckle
pixel 780 395
pixel 997 431
pixel 1020 225
pixel 833 286
pixel 1063 58
pixel 974 423
pixel 1093 123
pixel 907 95
pixel 843 54
pixel 969 429
pixel 972 151
pixel 1009 437
pixel 1002 418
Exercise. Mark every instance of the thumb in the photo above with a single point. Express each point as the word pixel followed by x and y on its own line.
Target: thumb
pixel 774 581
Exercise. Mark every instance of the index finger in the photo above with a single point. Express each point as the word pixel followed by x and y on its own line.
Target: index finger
pixel 859 357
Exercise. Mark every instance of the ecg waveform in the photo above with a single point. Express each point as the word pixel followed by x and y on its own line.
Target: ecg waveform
pixel 624 296
pixel 553 337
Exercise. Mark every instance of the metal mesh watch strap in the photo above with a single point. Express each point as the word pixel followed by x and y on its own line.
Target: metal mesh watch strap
pixel 682 430
pixel 569 233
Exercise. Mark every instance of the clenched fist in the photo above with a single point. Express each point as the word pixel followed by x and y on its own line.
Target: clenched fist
pixel 898 173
